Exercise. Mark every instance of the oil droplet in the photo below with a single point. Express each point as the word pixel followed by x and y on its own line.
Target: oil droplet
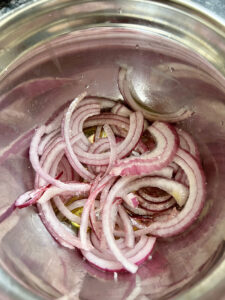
pixel 87 86
pixel 137 46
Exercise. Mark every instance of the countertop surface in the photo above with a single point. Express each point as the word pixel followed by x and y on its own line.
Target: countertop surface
pixel 215 6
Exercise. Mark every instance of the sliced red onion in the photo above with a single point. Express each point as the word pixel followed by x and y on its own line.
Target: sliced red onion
pixel 129 95
pixel 188 143
pixel 47 140
pixel 107 229
pixel 181 177
pixel 77 204
pixel 129 233
pixel 138 211
pixel 174 166
pixel 148 195
pixel 65 167
pixel 105 103
pixel 194 202
pixel 125 147
pixel 75 187
pixel 98 133
pixel 105 191
pixel 65 211
pixel 177 190
pixel 111 265
pixel 66 129
pixel 131 200
pixel 29 198
pixel 112 143
pixel 78 118
pixel 52 192
pixel 107 118
pixel 156 207
pixel 166 215
pixel 87 208
pixel 121 110
pixel 166 147
pixel 113 205
pixel 136 222
pixel 60 232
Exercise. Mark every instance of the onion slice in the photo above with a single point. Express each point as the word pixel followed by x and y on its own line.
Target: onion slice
pixel 129 95
pixel 194 202
pixel 166 147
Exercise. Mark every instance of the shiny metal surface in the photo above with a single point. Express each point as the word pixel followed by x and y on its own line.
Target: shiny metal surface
pixel 186 49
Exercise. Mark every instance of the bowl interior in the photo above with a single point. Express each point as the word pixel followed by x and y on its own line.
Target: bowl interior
pixel 167 75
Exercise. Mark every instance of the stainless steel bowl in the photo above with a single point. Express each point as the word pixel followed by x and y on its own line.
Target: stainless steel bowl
pixel 178 54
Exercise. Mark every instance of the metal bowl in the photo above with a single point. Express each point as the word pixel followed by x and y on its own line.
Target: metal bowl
pixel 178 55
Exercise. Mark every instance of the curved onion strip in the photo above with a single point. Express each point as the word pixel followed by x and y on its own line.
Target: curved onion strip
pixel 65 211
pixel 65 167
pixel 121 110
pixel 75 163
pixel 151 198
pixel 105 191
pixel 60 232
pixel 166 147
pixel 138 258
pixel 125 147
pixel 107 118
pixel 77 120
pixel 193 205
pixel 52 192
pixel 106 217
pixel 80 115
pixel 86 211
pixel 131 200
pixel 121 244
pixel 47 140
pixel 129 233
pixel 156 207
pixel 131 98
pixel 192 147
pixel 140 211
pixel 177 190
pixel 105 103
pixel 75 187
pixel 98 133
pixel 112 143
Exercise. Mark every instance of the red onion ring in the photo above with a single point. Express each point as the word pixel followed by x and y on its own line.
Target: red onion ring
pixel 194 202
pixel 128 93
pixel 76 164
pixel 75 187
pixel 147 195
pixel 125 147
pixel 161 156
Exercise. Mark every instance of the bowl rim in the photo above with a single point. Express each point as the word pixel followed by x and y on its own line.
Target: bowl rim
pixel 217 276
